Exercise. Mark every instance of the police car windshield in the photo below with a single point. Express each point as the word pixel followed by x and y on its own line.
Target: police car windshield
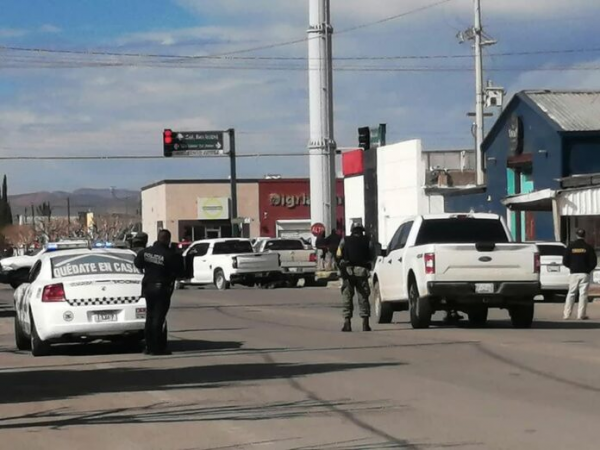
pixel 230 247
pixel 34 252
pixel 93 263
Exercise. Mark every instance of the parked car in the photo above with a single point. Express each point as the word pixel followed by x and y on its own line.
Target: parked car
pixel 463 262
pixel 297 262
pixel 83 294
pixel 554 277
pixel 225 262
pixel 15 270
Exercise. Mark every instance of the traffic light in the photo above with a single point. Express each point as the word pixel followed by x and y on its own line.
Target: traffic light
pixel 168 143
pixel 364 138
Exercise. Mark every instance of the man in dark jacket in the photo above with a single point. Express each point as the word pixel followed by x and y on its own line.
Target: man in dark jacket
pixel 161 266
pixel 580 257
pixel 355 255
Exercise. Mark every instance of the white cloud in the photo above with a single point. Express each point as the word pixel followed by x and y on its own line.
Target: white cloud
pixel 49 28
pixel 12 32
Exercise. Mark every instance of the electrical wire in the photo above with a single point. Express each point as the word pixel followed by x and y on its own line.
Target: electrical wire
pixel 168 57
pixel 150 157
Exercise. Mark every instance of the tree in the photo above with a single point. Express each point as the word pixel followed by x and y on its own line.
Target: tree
pixel 5 209
pixel 45 211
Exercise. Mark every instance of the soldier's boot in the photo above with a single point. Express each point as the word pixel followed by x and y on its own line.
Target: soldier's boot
pixel 366 326
pixel 347 326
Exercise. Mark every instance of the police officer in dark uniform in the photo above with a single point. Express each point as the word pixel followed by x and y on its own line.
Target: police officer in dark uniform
pixel 355 254
pixel 581 259
pixel 161 266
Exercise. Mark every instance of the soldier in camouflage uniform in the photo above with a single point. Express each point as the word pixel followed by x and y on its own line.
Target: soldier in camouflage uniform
pixel 354 255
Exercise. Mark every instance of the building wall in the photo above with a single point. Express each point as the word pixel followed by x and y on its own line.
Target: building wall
pixel 354 192
pixel 289 200
pixel 183 202
pixel 171 203
pixel 547 167
pixel 401 181
pixel 153 210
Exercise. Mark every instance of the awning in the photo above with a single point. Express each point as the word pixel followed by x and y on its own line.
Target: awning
pixel 579 202
pixel 533 201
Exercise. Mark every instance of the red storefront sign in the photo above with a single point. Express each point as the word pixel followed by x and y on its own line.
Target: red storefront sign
pixel 289 200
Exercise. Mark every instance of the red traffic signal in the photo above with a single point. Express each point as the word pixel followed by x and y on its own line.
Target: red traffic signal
pixel 168 137
pixel 168 145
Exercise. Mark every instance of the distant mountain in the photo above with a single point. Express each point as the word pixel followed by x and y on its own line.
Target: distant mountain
pixel 99 201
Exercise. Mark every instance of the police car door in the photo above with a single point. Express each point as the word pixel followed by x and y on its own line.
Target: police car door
pixel 202 271
pixel 23 296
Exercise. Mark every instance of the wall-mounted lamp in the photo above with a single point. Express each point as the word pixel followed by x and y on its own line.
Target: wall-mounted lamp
pixel 543 152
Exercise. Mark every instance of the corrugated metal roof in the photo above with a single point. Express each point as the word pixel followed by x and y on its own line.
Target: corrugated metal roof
pixel 571 110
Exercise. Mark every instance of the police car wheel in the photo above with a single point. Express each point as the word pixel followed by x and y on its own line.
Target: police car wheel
pixel 220 281
pixel 38 346
pixel 21 339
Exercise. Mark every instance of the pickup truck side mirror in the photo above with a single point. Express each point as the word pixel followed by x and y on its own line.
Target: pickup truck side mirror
pixel 379 250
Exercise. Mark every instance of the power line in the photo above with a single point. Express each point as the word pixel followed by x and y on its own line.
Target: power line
pixel 168 57
pixel 343 31
pixel 146 157
pixel 230 53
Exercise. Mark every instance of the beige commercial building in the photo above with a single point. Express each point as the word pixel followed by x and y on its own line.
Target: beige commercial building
pixel 199 209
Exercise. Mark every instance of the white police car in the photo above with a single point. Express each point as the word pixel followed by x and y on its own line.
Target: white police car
pixel 79 295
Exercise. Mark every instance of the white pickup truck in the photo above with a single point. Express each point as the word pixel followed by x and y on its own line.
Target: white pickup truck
pixel 224 262
pixel 297 262
pixel 462 262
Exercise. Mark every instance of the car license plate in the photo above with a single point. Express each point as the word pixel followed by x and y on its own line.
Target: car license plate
pixel 140 313
pixel 553 269
pixel 294 269
pixel 105 317
pixel 484 288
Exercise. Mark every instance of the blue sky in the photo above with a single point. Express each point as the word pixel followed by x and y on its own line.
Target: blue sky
pixel 122 110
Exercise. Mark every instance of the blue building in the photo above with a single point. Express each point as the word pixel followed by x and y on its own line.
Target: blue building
pixel 542 148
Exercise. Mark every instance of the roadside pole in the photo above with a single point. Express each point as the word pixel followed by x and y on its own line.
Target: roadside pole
pixel 233 179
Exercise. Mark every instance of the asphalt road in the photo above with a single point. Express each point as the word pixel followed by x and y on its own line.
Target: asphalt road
pixel 257 369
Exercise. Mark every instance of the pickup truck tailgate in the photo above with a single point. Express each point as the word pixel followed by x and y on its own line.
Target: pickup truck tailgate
pixel 257 262
pixel 465 262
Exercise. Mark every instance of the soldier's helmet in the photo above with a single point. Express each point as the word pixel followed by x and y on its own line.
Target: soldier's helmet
pixel 357 228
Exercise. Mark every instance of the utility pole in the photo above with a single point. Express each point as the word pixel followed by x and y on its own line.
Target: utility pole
pixel 235 231
pixel 69 216
pixel 481 40
pixel 322 145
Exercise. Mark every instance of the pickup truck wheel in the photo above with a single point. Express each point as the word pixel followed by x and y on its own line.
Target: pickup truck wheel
pixel 384 312
pixel 310 281
pixel 478 317
pixel 220 281
pixel 521 316
pixel 420 309
pixel 38 347
pixel 21 339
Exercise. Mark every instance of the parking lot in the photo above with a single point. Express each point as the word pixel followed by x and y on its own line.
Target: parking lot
pixel 270 369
